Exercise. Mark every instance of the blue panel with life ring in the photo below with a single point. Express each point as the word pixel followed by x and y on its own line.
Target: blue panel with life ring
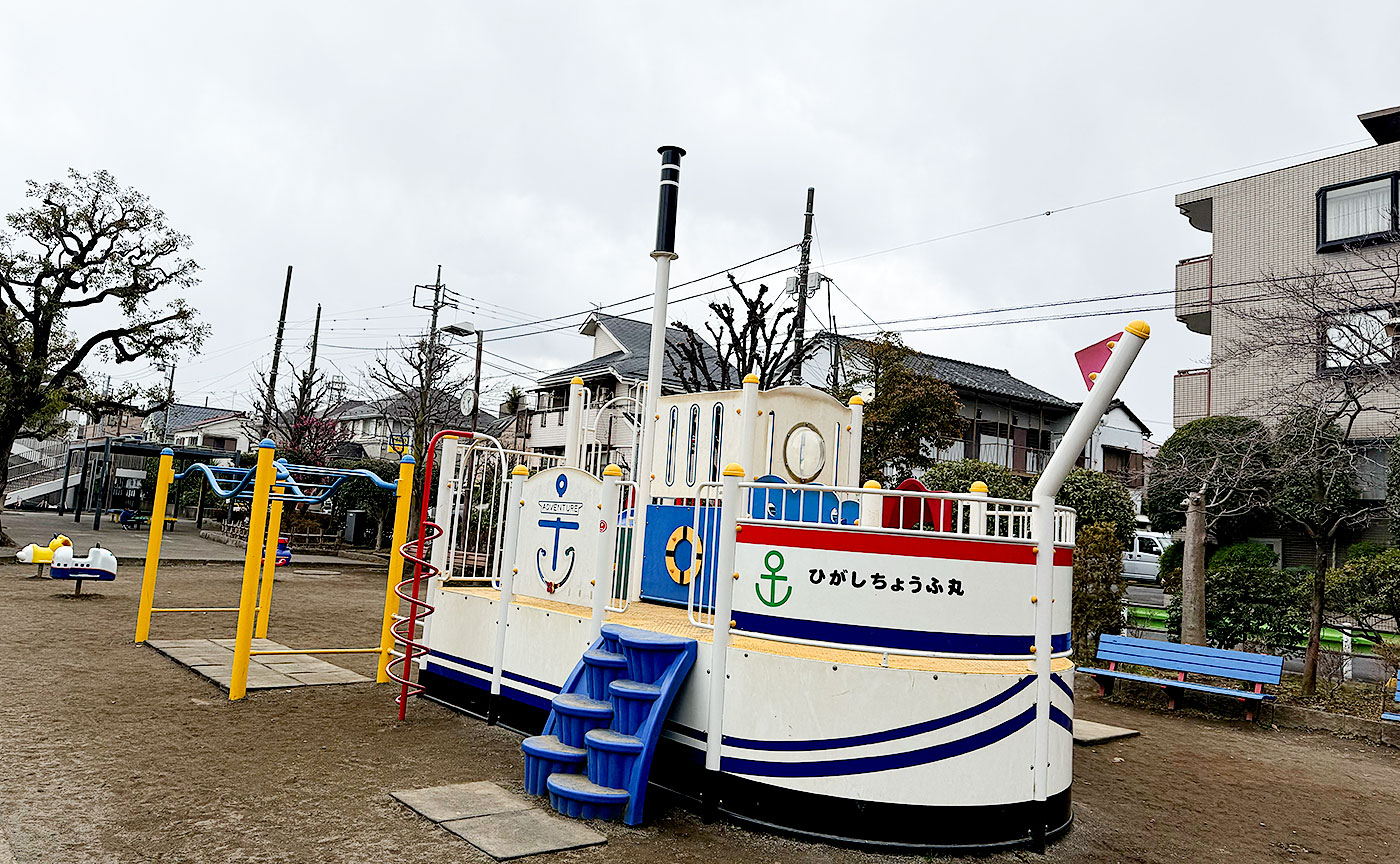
pixel 680 544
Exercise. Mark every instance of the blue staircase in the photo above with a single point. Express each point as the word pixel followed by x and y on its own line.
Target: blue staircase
pixel 594 756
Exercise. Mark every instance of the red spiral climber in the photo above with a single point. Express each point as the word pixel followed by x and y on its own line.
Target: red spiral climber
pixel 404 629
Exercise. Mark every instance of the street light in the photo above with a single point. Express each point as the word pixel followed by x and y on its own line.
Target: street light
pixel 467 329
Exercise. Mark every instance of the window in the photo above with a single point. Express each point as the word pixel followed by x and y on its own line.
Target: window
pixel 1356 339
pixel 1149 546
pixel 1355 213
pixel 716 439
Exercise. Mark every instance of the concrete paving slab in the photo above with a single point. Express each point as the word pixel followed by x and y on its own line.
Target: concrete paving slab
pixel 524 832
pixel 213 659
pixel 1087 732
pixel 461 801
pixel 339 676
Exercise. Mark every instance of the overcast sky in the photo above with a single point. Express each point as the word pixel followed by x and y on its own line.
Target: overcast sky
pixel 515 145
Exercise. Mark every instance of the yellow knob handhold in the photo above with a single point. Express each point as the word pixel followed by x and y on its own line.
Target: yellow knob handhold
pixel 1093 376
pixel 1035 599
pixel 520 471
pixel 733 470
pixel 978 488
pixel 1139 328
pixel 736 577
pixel 1032 649
pixel 750 378
pixel 733 624
pixel 612 471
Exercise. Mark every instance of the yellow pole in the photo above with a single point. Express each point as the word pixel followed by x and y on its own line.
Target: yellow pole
pixel 164 474
pixel 269 567
pixel 252 565
pixel 391 600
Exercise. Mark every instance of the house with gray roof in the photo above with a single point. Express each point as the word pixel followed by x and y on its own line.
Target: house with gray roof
pixel 198 426
pixel 615 377
pixel 1006 421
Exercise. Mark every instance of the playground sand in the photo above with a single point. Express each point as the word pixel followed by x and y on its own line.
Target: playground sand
pixel 113 753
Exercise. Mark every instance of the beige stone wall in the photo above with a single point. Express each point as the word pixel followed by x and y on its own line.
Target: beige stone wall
pixel 1266 225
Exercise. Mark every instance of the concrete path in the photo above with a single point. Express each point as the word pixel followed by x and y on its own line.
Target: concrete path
pixel 182 544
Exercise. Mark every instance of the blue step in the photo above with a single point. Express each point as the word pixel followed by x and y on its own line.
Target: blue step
pixel 649 654
pixel 594 757
pixel 611 756
pixel 601 668
pixel 546 755
pixel 612 643
pixel 631 702
pixel 576 714
pixel 577 797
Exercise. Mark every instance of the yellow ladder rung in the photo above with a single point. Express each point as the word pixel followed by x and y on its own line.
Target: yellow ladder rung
pixel 315 651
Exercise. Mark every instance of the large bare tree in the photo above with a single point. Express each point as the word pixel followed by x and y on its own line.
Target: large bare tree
pixel 417 384
pixel 1320 343
pixel 756 337
pixel 89 270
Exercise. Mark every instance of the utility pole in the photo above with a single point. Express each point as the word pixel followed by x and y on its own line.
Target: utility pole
pixel 169 398
pixel 270 399
pixel 803 265
pixel 429 371
pixel 476 382
pixel 308 381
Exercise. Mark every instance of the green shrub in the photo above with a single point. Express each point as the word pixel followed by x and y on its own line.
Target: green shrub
pixel 958 476
pixel 1242 555
pixel 1259 608
pixel 1365 549
pixel 1100 499
pixel 1169 567
pixel 1098 589
pixel 1366 592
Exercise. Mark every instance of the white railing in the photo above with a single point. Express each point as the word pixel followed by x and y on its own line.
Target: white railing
pixel 875 509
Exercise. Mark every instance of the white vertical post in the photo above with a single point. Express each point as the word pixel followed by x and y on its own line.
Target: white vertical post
pixel 1346 653
pixel 978 520
pixel 514 509
pixel 573 425
pixel 446 462
pixel 604 563
pixel 853 457
pixel 870 505
pixel 748 420
pixel 725 576
pixel 646 470
pixel 1106 384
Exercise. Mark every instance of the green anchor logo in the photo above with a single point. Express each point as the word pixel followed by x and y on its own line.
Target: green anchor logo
pixel 773 577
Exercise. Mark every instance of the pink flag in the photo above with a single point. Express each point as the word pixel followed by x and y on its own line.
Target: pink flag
pixel 1092 359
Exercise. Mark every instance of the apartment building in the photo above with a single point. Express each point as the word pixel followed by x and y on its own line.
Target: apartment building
pixel 1333 214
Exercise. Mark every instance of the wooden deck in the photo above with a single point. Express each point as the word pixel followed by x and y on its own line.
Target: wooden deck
pixel 676 622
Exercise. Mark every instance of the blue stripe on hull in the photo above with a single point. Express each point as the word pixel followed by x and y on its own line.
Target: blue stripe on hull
pixel 505 673
pixel 485 684
pixel 890 762
pixel 887 637
pixel 886 735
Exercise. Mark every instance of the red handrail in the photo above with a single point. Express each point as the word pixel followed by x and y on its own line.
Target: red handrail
pixel 408 636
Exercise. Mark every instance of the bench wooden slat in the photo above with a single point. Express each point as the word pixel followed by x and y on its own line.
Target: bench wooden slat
pixel 1198 659
pixel 1185 685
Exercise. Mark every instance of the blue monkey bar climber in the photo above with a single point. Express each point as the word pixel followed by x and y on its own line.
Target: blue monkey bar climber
pixel 297 483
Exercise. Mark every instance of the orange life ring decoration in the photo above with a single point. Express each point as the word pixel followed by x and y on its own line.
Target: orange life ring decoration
pixel 684 534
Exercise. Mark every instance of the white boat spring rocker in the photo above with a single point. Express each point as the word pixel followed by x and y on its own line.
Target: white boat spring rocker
pixel 748 627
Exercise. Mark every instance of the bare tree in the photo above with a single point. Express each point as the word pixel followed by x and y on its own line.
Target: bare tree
pixel 1321 343
pixel 1216 470
pixel 294 414
pixel 757 338
pixel 81 244
pixel 417 385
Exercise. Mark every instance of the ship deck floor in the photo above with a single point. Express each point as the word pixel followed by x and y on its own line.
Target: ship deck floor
pixel 675 621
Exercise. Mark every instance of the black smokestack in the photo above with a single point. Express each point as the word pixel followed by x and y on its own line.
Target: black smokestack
pixel 670 196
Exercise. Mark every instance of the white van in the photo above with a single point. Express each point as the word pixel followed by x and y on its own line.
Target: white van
pixel 1140 561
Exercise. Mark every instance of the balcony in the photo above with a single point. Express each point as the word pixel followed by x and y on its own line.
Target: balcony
pixel 1190 396
pixel 1194 281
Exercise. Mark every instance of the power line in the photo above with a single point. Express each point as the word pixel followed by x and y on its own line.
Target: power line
pixel 644 296
pixel 1053 211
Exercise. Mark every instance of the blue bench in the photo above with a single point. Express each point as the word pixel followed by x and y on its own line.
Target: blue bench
pixel 1245 666
pixel 1394 717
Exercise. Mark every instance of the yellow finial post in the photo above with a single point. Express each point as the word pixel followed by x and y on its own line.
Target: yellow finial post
pixel 1139 329
pixel 164 475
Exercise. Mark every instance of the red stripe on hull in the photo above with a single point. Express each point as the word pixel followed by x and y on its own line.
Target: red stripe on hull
pixel 909 545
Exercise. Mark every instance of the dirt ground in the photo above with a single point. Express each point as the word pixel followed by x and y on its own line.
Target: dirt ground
pixel 109 752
